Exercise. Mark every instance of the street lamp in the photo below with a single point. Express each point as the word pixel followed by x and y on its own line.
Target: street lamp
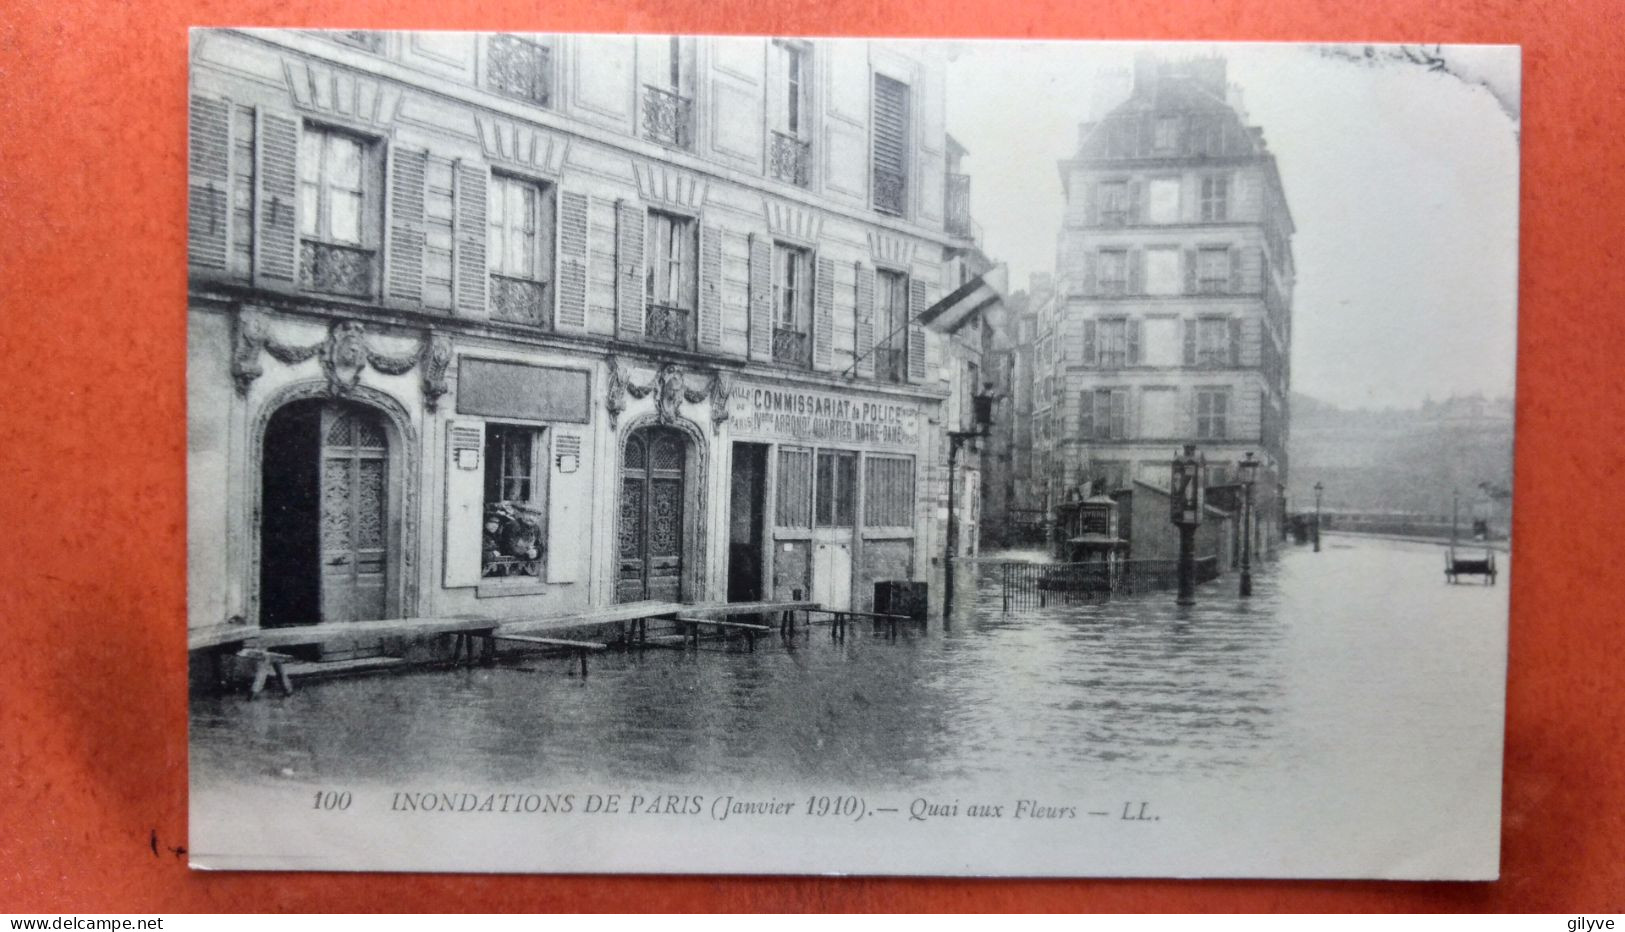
pixel 1248 469
pixel 1319 488
pixel 982 411
pixel 1185 501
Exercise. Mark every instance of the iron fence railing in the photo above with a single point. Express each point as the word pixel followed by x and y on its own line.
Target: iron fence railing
pixel 1038 585
pixel 668 117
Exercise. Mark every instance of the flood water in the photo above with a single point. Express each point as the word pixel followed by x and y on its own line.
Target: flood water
pixel 1355 666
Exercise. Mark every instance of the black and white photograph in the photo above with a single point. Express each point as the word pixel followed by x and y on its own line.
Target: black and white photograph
pixel 792 455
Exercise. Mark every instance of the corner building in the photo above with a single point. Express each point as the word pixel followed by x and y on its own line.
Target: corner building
pixel 523 324
pixel 1174 321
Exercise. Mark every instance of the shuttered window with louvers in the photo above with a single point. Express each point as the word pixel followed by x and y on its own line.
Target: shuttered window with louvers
pixel 890 156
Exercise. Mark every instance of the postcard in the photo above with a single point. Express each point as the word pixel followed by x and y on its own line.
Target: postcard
pixel 786 455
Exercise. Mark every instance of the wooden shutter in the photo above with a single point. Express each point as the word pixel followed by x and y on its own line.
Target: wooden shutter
pixel 761 298
pixel 1191 286
pixel 570 301
pixel 864 326
pixel 408 178
pixel 1133 327
pixel 629 306
pixel 823 322
pixel 569 504
pixel 1136 203
pixel 1086 415
pixel 1136 271
pixel 891 128
pixel 1236 285
pixel 1235 341
pixel 710 309
pixel 916 332
pixel 470 273
pixel 209 182
pixel 1190 342
pixel 465 502
pixel 276 246
pixel 1089 350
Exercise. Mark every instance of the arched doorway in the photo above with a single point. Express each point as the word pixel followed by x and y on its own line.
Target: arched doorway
pixel 324 532
pixel 653 519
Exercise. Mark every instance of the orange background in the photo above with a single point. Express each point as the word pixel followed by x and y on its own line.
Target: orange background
pixel 92 464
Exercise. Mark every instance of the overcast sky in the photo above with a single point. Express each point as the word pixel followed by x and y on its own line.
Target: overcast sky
pixel 1402 183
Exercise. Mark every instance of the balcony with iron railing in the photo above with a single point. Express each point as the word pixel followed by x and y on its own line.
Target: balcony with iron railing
pixel 792 347
pixel 334 268
pixel 520 67
pixel 518 300
pixel 668 117
pixel 891 362
pixel 789 159
pixel 673 326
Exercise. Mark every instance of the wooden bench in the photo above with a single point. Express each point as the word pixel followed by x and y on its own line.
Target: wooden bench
pixel 692 624
pixel 267 662
pixel 579 648
pixel 841 617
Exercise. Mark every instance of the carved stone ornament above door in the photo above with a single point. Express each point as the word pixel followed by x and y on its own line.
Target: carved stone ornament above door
pixel 670 389
pixel 344 355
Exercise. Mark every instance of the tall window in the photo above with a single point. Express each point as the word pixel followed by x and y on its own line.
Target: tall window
pixel 668 104
pixel 891 326
pixel 1114 203
pixel 515 516
pixel 1215 197
pixel 792 305
pixel 1114 271
pixel 789 153
pixel 517 243
pixel 891 149
pixel 795 87
pixel 837 494
pixel 520 67
pixel 1213 341
pixel 1113 336
pixel 1212 413
pixel 671 279
pixel 332 212
pixel 1105 414
pixel 1213 270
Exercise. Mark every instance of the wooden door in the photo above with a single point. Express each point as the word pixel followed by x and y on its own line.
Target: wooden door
pixel 651 531
pixel 354 513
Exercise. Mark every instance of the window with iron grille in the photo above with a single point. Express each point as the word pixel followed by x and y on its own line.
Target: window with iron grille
pixel 890 155
pixel 791 287
pixel 888 491
pixel 520 67
pixel 671 281
pixel 837 495
pixel 1212 413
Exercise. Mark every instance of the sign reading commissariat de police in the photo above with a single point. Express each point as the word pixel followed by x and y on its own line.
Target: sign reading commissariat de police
pixel 808 416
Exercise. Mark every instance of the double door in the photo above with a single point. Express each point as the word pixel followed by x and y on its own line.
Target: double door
pixel 652 518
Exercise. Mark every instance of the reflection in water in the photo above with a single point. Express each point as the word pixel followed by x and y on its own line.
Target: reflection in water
pixel 1133 686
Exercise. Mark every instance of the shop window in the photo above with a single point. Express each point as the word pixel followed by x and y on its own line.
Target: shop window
pixel 837 494
pixel 888 491
pixel 515 502
pixel 794 500
pixel 336 232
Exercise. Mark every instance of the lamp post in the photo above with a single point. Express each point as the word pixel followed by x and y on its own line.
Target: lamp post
pixel 1248 470
pixel 982 407
pixel 1319 488
pixel 1185 501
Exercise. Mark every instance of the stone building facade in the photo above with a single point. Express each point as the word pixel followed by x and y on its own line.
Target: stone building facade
pixel 1173 317
pixel 523 324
